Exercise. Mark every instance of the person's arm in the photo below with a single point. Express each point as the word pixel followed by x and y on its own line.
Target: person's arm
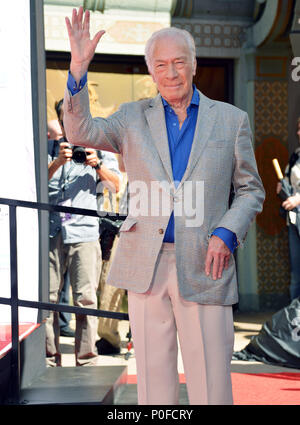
pixel 64 155
pixel 53 166
pixel 222 243
pixel 228 237
pixel 247 202
pixel 80 127
pixel 292 202
pixel 249 193
pixel 82 47
pixel 72 85
pixel 108 177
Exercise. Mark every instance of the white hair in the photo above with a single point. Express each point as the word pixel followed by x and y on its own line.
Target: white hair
pixel 169 32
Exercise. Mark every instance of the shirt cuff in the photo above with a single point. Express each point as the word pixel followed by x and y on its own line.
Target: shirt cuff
pixel 72 85
pixel 227 236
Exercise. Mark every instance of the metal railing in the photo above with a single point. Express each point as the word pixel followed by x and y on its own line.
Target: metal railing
pixel 14 300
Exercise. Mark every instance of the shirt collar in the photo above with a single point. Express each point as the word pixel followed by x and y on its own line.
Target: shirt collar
pixel 194 101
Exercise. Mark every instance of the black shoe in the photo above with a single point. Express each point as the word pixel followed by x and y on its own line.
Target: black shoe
pixel 67 332
pixel 105 348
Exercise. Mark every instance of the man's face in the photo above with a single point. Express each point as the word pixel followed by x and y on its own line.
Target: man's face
pixel 172 68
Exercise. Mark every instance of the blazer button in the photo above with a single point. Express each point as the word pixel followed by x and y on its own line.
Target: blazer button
pixel 161 231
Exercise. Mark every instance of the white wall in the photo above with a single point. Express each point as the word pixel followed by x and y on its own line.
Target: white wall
pixel 17 168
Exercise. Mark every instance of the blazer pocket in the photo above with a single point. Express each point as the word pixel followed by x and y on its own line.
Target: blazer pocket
pixel 128 224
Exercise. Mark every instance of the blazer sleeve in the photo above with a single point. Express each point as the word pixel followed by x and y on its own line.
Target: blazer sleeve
pixel 249 193
pixel 83 130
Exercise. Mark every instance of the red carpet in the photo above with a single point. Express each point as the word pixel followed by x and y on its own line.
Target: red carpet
pixel 263 388
pixel 266 388
pixel 5 335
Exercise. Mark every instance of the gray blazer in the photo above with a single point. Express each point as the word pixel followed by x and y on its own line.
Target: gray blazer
pixel 221 155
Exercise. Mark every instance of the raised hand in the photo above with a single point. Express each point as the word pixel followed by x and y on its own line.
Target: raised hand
pixel 82 46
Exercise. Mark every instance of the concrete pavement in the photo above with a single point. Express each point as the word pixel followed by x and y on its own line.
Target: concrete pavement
pixel 246 325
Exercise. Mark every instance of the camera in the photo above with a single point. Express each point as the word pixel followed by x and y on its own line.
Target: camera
pixel 79 154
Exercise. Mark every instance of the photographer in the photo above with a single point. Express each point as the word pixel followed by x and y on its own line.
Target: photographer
pixel 74 239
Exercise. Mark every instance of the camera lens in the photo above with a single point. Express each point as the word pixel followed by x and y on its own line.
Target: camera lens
pixel 79 154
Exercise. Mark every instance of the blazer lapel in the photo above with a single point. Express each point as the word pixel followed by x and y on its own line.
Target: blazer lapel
pixel 155 116
pixel 205 122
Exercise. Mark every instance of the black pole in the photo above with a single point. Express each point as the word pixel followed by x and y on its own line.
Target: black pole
pixel 15 349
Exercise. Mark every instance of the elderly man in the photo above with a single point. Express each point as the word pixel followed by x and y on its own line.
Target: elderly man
pixel 179 149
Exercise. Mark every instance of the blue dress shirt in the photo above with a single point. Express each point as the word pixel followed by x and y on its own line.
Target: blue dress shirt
pixel 72 85
pixel 180 144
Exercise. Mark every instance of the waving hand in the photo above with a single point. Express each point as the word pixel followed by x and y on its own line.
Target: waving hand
pixel 82 46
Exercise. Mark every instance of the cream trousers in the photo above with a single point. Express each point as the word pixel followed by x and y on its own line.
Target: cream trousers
pixel 205 333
